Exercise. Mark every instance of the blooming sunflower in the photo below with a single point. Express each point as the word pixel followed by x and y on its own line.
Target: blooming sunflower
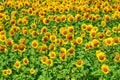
pixel 34 44
pixel 105 69
pixel 17 64
pixel 25 61
pixel 32 71
pixel 79 63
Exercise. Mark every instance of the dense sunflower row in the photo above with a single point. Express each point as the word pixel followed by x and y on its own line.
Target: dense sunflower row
pixel 59 39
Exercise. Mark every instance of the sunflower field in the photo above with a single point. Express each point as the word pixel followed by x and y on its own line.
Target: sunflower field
pixel 59 39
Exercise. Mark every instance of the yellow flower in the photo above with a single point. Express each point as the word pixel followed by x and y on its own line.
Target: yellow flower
pixel 89 28
pixel 17 64
pixel 9 71
pixel 63 50
pixel 117 58
pixel 105 69
pixel 52 55
pixel 100 35
pixel 71 51
pixel 70 29
pixel 101 56
pixel 25 61
pixel 50 62
pixel 15 47
pixel 52 38
pixel 32 71
pixel 52 47
pixel 92 34
pixel 79 40
pixel 4 72
pixel 95 43
pixel 70 18
pixel 44 59
pixel 21 48
pixel 46 21
pixel 9 42
pixel 44 48
pixel 103 23
pixel 79 63
pixel 108 41
pixel 62 56
pixel 35 44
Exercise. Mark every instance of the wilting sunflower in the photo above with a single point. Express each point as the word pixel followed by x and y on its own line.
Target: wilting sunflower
pixel 52 55
pixel 34 44
pixel 44 59
pixel 32 71
pixel 25 61
pixel 17 64
pixel 79 63
pixel 105 69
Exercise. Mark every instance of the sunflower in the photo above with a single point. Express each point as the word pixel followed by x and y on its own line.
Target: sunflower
pixel 22 41
pixel 89 28
pixel 87 46
pixel 73 42
pixel 15 47
pixel 70 18
pixel 4 72
pixel 52 55
pixel 101 56
pixel 44 29
pixel 71 29
pixel 3 38
pixel 25 61
pixel 77 17
pixel 45 39
pixel 9 42
pixel 47 34
pixel 105 69
pixel 35 44
pixel 83 26
pixel 69 36
pixel 95 43
pixel 50 62
pixel 21 48
pixel 52 38
pixel 79 40
pixel 33 25
pixel 17 64
pixel 44 59
pixel 117 58
pixel 3 48
pixel 71 51
pixel 103 23
pixel 57 19
pixel 63 18
pixel 100 35
pixel 116 40
pixel 108 41
pixel 44 48
pixel 79 63
pixel 9 71
pixel 108 33
pixel 52 47
pixel 92 34
pixel 32 71
pixel 62 56
pixel 46 21
pixel 114 29
pixel 39 32
pixel 63 50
